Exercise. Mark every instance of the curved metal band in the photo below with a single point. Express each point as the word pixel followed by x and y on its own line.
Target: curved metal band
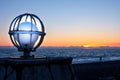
pixel 26 32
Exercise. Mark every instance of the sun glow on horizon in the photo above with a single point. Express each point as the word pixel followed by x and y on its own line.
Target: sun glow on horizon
pixel 87 46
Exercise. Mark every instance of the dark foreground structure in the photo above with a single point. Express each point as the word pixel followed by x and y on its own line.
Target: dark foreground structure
pixel 58 69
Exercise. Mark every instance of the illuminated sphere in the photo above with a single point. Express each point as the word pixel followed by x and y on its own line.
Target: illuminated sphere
pixel 24 39
pixel 26 32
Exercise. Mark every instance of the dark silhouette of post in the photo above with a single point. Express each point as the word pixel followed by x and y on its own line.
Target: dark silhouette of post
pixel 100 58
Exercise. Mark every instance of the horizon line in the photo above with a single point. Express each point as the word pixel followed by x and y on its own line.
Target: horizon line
pixel 69 46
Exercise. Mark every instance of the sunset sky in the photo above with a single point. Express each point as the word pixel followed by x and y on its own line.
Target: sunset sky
pixel 67 22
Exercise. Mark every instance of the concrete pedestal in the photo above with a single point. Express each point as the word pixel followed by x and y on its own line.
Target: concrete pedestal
pixel 37 69
pixel 58 69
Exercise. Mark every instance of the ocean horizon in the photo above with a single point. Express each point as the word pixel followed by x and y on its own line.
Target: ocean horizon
pixel 71 51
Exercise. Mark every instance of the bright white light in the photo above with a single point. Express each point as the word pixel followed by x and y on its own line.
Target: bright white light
pixel 27 39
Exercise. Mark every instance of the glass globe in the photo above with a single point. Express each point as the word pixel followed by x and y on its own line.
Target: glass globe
pixel 27 33
pixel 26 40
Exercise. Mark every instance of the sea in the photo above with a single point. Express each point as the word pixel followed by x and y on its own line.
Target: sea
pixel 78 53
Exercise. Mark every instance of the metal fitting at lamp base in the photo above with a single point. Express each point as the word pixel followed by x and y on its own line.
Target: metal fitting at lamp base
pixel 26 55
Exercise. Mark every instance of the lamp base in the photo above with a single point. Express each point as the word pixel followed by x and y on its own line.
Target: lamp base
pixel 27 55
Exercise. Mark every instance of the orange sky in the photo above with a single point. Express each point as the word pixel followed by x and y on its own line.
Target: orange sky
pixel 67 42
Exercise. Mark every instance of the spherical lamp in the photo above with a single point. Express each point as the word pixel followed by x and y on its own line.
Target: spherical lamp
pixel 27 33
